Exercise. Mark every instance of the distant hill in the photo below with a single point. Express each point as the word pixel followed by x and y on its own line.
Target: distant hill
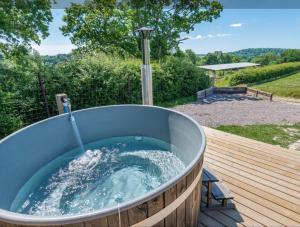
pixel 52 60
pixel 253 52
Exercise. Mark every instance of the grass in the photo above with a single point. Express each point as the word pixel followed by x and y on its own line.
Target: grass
pixel 282 135
pixel 176 102
pixel 285 87
pixel 222 82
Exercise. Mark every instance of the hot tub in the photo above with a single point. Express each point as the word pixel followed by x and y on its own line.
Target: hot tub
pixel 175 202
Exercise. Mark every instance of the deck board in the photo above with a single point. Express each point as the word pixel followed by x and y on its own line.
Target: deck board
pixel 264 180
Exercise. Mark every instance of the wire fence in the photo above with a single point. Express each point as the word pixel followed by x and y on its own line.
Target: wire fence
pixel 39 102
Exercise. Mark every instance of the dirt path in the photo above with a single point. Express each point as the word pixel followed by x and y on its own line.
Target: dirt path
pixel 241 110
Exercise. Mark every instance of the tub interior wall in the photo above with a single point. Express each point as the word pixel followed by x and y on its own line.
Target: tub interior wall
pixel 23 153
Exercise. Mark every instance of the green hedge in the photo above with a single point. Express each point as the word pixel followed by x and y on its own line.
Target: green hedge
pixel 101 80
pixel 253 75
pixel 90 80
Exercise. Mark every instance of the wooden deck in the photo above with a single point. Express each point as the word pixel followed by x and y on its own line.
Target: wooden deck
pixel 264 180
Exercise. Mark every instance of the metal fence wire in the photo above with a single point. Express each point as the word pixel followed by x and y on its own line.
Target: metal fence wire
pixel 39 101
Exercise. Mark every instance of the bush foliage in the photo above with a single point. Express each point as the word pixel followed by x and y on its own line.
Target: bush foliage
pixel 254 75
pixel 89 80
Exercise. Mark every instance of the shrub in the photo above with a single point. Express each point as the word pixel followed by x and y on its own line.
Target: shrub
pixel 9 120
pixel 89 80
pixel 102 80
pixel 253 75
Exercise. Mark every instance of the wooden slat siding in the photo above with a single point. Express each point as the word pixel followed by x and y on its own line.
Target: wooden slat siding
pixel 239 217
pixel 234 214
pixel 263 219
pixel 222 218
pixel 137 214
pixel 259 151
pixel 224 151
pixel 113 220
pixel 181 187
pixel 189 200
pixel 237 174
pixel 265 194
pixel 74 225
pixel 197 195
pixel 263 179
pixel 273 206
pixel 2 224
pixel 208 221
pixel 288 170
pixel 96 223
pixel 170 196
pixel 201 225
pixel 124 219
pixel 154 206
pixel 291 163
pixel 250 143
pixel 278 217
pixel 290 182
pixel 283 183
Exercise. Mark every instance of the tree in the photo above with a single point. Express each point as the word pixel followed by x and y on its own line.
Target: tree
pixel 110 25
pixel 192 56
pixel 267 59
pixel 23 22
pixel 219 58
pixel 290 55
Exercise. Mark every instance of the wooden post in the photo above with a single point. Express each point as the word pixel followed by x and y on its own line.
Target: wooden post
pixel 59 102
pixel 271 97
pixel 209 198
pixel 43 92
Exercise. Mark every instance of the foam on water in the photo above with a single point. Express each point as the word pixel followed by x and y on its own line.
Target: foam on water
pixel 112 171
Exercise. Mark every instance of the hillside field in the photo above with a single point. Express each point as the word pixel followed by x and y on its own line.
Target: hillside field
pixel 284 87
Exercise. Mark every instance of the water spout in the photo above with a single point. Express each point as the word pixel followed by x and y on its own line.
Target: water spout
pixel 67 109
pixel 76 132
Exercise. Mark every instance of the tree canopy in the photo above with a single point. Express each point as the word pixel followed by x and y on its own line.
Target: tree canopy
pixel 111 25
pixel 23 22
pixel 218 57
pixel 290 55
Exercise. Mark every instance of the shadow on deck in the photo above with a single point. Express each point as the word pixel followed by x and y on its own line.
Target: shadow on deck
pixel 264 180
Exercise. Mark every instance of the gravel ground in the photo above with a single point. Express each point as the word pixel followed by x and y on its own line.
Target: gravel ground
pixel 241 110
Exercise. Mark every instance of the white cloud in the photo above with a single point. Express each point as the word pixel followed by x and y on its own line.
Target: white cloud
pixel 44 49
pixel 236 25
pixel 209 36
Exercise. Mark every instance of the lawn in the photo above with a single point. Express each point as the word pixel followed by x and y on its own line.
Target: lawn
pixel 282 135
pixel 222 82
pixel 285 87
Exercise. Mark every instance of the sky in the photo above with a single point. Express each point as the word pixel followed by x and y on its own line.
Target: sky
pixel 235 29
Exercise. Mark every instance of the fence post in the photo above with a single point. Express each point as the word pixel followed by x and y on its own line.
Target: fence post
pixel 59 103
pixel 43 92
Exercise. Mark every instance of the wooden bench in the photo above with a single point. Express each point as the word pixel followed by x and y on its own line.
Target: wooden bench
pixel 215 188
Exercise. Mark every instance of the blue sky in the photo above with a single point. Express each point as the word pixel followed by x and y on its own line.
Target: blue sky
pixel 235 29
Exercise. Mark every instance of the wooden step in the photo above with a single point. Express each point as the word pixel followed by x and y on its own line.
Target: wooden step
pixel 221 192
pixel 209 175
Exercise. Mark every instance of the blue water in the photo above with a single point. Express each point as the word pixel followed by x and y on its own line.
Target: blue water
pixel 111 171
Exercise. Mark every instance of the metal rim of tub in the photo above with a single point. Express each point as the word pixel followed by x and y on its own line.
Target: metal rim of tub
pixel 25 219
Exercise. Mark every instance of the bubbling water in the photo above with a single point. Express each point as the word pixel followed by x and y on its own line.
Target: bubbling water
pixel 112 171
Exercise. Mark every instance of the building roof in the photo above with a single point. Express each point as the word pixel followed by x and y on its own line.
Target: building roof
pixel 228 66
